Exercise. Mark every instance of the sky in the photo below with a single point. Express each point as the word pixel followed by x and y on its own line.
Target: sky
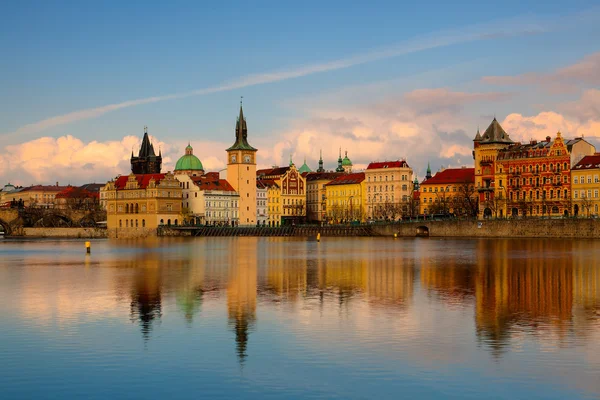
pixel 380 80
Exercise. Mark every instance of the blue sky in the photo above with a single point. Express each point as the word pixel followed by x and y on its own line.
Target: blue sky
pixel 64 57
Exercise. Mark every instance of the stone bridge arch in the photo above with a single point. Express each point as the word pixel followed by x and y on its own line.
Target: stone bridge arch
pixel 5 227
pixel 422 231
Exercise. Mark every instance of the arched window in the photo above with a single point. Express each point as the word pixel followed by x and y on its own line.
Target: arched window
pixel 175 222
pixel 143 223
pixel 137 208
pixel 136 223
pixel 162 221
pixel 126 223
pixel 126 208
pixel 169 222
pixel 120 223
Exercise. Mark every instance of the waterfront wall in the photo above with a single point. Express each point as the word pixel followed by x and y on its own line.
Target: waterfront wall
pixel 532 228
pixel 61 232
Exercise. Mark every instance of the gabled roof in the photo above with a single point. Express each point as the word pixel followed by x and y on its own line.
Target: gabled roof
pixel 44 188
pixel 318 176
pixel 388 164
pixel 275 171
pixel 588 162
pixel 495 134
pixel 77 193
pixel 208 182
pixel 452 175
pixel 142 179
pixel 266 183
pixel 348 179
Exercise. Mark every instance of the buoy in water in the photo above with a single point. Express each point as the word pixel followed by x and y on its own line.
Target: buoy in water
pixel 319 237
pixel 88 247
pixel 395 235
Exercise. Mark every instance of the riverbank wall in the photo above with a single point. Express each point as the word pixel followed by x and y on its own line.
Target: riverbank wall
pixel 526 228
pixel 83 233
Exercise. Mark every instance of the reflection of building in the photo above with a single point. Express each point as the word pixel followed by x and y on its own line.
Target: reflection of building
pixel 241 293
pixel 241 172
pixel 147 162
pixel 535 289
pixel 449 191
pixel 345 198
pixel 453 281
pixel 389 187
pixel 585 185
pixel 146 302
pixel 137 204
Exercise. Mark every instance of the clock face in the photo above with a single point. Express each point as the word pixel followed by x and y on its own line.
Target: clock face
pixel 247 159
pixel 233 158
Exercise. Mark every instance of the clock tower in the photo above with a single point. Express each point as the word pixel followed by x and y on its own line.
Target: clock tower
pixel 241 171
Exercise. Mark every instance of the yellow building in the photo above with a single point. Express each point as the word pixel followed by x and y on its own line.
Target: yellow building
pixel 273 201
pixel 389 189
pixel 585 186
pixel 292 193
pixel 316 204
pixel 36 196
pixel 241 172
pixel 450 191
pixel 137 204
pixel 345 198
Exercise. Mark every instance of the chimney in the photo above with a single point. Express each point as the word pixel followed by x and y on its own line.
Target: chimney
pixel 547 138
pixel 533 142
pixel 56 183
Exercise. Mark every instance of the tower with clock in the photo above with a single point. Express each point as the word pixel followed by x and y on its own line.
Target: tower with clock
pixel 241 171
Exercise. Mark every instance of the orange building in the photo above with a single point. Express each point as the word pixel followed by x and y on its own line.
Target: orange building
pixel 532 179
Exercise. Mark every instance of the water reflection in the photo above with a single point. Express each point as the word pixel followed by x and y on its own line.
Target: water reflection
pixel 398 294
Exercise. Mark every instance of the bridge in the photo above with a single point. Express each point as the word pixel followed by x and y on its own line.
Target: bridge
pixel 12 220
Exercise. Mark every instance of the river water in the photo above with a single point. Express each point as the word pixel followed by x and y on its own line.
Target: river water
pixel 293 318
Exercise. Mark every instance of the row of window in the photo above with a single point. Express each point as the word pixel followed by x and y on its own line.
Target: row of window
pixel 531 169
pixel 582 179
pixel 129 223
pixel 402 177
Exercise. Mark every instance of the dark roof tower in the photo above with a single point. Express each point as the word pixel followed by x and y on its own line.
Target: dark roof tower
pixel 340 167
pixel 321 169
pixel 241 134
pixel 147 162
pixel 428 175
pixel 494 134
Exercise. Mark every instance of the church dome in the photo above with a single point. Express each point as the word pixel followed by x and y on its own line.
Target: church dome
pixel 346 161
pixel 189 162
pixel 304 168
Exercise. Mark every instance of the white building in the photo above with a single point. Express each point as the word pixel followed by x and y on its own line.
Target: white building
pixel 261 204
pixel 209 200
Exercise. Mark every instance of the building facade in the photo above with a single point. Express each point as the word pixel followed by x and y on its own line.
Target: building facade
pixel 137 204
pixel 43 196
pixel 241 172
pixel 485 153
pixel 292 192
pixel 262 215
pixel 585 186
pixel 389 189
pixel 345 197
pixel 316 194
pixel 532 179
pixel 208 200
pixel 450 191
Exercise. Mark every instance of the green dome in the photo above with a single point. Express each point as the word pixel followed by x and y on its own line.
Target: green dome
pixel 346 161
pixel 189 162
pixel 304 168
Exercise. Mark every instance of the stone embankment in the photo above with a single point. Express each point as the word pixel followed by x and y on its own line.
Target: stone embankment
pixel 84 233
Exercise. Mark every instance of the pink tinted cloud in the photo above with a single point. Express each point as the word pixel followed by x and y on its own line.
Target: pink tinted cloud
pixel 585 72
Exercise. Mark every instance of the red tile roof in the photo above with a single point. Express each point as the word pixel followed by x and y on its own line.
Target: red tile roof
pixel 277 171
pixel 348 179
pixel 452 175
pixel 77 193
pixel 142 179
pixel 45 188
pixel 588 162
pixel 267 183
pixel 317 176
pixel 388 164
pixel 208 182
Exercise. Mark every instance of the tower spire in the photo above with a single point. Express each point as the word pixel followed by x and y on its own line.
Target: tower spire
pixel 320 169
